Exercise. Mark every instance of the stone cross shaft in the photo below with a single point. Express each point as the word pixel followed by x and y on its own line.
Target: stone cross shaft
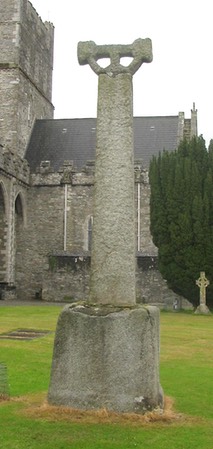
pixel 202 283
pixel 112 279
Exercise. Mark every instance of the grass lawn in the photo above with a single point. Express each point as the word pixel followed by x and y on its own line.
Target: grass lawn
pixel 27 422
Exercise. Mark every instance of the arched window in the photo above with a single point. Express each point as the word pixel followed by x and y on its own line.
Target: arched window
pixel 2 201
pixel 3 233
pixel 19 236
pixel 19 207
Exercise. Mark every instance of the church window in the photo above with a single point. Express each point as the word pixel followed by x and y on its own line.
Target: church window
pixel 18 207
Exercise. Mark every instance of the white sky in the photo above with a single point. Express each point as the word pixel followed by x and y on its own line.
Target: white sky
pixel 182 69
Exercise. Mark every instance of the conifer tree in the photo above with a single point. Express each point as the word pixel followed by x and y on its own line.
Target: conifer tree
pixel 181 211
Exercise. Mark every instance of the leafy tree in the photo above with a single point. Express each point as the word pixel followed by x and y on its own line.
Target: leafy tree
pixel 181 209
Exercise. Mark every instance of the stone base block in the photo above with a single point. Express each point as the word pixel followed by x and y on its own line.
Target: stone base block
pixel 106 357
pixel 202 309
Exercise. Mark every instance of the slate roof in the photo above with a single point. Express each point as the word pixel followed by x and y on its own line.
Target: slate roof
pixel 57 140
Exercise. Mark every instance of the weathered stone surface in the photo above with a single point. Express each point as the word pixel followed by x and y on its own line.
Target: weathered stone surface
pixel 113 247
pixel 26 62
pixel 202 309
pixel 67 280
pixel 113 244
pixel 106 357
pixel 140 51
pixel 202 283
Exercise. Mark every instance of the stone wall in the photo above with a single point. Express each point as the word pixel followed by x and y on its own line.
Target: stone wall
pixel 27 42
pixel 152 288
pixel 79 210
pixel 36 49
pixel 26 63
pixel 14 181
pixel 67 280
pixel 45 221
pixel 52 259
pixel 57 223
pixel 10 17
pixel 42 235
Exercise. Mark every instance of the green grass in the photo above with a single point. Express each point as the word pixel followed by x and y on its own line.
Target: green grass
pixel 186 376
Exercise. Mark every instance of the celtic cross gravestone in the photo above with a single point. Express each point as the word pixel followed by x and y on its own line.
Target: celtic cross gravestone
pixel 202 283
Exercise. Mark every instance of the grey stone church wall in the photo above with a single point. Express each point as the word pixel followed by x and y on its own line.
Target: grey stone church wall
pixel 14 181
pixel 45 232
pixel 27 42
pixel 36 49
pixel 42 235
pixel 53 261
pixel 16 128
pixel 44 259
pixel 26 62
pixel 50 203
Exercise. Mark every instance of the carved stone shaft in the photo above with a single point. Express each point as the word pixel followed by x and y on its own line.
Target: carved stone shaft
pixel 113 245
pixel 202 283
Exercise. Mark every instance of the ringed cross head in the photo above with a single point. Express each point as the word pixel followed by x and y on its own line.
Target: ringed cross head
pixel 140 51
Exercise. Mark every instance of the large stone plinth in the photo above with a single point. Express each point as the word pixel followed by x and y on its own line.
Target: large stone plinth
pixel 202 309
pixel 106 357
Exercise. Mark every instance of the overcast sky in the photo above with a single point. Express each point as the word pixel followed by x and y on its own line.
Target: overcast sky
pixel 182 69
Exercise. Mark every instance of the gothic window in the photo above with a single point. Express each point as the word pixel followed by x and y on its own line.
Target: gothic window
pixel 19 236
pixel 3 234
pixel 19 208
pixel 2 202
pixel 19 220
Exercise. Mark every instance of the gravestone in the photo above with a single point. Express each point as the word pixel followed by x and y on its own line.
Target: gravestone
pixel 4 385
pixel 202 283
pixel 106 351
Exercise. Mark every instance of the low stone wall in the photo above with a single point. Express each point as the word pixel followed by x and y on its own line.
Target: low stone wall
pixel 153 289
pixel 7 292
pixel 67 280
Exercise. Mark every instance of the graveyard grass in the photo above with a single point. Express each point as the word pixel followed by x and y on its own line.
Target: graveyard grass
pixel 27 422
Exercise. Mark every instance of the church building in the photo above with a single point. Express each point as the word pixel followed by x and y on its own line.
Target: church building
pixel 47 175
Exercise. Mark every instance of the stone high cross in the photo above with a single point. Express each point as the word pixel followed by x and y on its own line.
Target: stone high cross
pixel 202 283
pixel 112 279
pixel 106 353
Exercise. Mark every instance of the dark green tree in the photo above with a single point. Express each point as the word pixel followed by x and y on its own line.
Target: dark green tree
pixel 181 210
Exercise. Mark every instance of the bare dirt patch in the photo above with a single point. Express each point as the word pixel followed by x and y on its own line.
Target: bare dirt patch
pixel 24 334
pixel 53 413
